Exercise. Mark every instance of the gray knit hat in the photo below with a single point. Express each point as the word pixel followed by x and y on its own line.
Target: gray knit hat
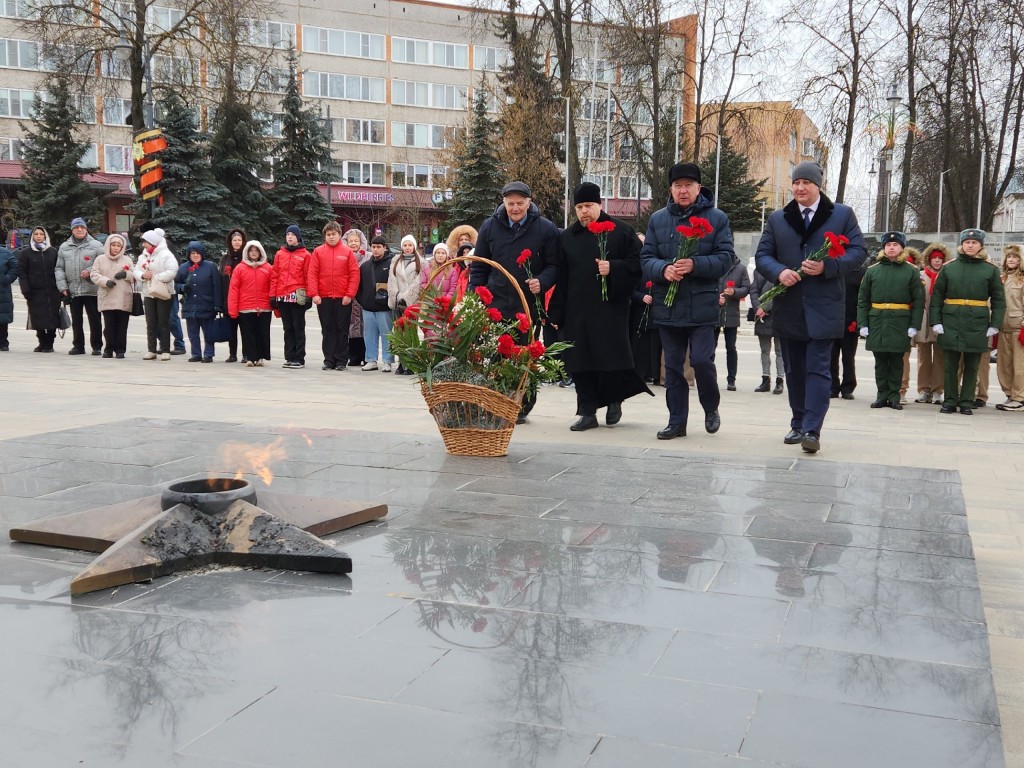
pixel 808 170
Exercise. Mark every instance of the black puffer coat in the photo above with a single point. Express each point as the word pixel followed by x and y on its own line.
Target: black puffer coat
pixel 38 282
pixel 8 274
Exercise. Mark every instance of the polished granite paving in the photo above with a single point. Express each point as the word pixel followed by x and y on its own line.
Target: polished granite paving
pixel 619 607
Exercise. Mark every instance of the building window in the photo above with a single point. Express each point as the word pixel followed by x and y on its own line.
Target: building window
pixel 407 51
pixel 338 42
pixel 172 69
pixel 583 69
pixel 273 123
pixel 270 34
pixel 117 159
pixel 355 130
pixel 636 114
pixel 598 109
pixel 808 148
pixel 489 59
pixel 15 9
pixel 417 176
pixel 606 183
pixel 162 18
pixel 792 142
pixel 451 55
pixel 11 149
pixel 351 87
pixel 19 54
pixel 364 173
pixel 596 150
pixel 117 111
pixel 89 158
pixel 437 95
pixel 17 103
pixel 420 135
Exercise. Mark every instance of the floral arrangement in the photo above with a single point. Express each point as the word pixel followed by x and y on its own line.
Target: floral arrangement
pixel 833 247
pixel 601 230
pixel 690 235
pixel 524 261
pixel 471 342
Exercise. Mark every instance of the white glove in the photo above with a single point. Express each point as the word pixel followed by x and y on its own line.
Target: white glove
pixel 864 332
pixel 911 332
pixel 991 332
pixel 937 328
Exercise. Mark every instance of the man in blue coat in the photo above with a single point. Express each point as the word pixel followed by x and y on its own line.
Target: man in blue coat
pixel 810 315
pixel 691 320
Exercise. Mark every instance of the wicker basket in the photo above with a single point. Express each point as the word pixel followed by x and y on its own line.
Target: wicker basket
pixel 475 420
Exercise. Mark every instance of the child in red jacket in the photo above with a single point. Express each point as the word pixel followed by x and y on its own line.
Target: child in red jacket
pixel 249 303
pixel 332 282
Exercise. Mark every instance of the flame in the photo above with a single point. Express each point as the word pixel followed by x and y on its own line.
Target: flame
pixel 253 459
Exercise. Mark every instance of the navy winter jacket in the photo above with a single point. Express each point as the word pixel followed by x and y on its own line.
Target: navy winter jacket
pixel 8 274
pixel 696 301
pixel 200 286
pixel 814 308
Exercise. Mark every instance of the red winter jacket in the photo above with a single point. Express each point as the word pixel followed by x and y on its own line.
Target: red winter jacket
pixel 250 284
pixel 333 272
pixel 290 268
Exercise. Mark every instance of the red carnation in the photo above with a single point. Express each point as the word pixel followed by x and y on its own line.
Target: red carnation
pixel 445 302
pixel 523 321
pixel 649 285
pixel 837 244
pixel 506 345
pixel 86 258
pixel 852 327
pixel 494 314
pixel 703 226
pixel 485 295
pixel 412 311
pixel 400 323
pixel 536 349
pixel 524 256
pixel 193 268
pixel 227 269
pixel 688 231
pixel 595 227
pixel 730 283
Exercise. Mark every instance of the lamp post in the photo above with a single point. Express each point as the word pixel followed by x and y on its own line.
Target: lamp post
pixel 894 100
pixel 938 225
pixel 329 132
pixel 873 208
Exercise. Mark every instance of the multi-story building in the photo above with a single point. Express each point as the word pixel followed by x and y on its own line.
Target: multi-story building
pixel 392 76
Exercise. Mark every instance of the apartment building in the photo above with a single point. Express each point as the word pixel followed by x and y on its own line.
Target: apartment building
pixel 391 77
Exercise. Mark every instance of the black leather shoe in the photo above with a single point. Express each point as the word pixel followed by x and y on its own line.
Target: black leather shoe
pixel 880 404
pixel 195 359
pixel 585 423
pixel 76 351
pixel 614 414
pixel 810 443
pixel 947 409
pixel 731 386
pixel 979 403
pixel 326 367
pixel 712 421
pixel 678 430
pixel 895 405
pixel 232 359
pixel 521 419
pixel 177 351
pixel 966 411
pixel 793 437
pixel 847 396
pixel 97 352
pixel 834 395
pixel 108 354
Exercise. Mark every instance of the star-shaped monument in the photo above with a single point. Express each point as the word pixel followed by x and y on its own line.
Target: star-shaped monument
pixel 202 522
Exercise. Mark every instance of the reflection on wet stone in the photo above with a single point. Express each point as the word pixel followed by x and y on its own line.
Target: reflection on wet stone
pixel 620 606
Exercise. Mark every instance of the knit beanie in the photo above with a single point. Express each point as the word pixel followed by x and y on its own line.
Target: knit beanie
pixel 409 238
pixel 808 170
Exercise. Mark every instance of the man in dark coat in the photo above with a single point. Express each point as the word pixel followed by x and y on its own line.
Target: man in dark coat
pixel 38 282
pixel 600 360
pixel 844 350
pixel 515 227
pixel 8 274
pixel 809 316
pixel 689 323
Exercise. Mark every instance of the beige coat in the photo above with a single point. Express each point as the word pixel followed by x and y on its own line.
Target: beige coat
pixel 926 335
pixel 1013 284
pixel 104 267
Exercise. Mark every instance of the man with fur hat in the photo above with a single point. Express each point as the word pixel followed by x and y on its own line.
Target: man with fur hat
pixel 929 354
pixel 596 319
pixel 967 308
pixel 810 315
pixel 688 325
pixel 890 307
pixel 1010 364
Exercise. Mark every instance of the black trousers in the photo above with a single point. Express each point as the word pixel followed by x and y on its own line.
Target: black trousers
pixel 293 318
pixel 233 339
pixel 87 303
pixel 334 322
pixel 115 330
pixel 647 354
pixel 255 329
pixel 700 340
pixel 3 334
pixel 158 326
pixel 845 350
pixel 46 338
pixel 356 350
pixel 731 356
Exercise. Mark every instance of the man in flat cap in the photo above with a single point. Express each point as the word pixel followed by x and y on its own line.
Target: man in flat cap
pixel 517 226
pixel 809 316
pixel 689 322
pixel 590 307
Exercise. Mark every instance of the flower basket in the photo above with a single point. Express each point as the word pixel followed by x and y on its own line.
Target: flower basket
pixel 475 420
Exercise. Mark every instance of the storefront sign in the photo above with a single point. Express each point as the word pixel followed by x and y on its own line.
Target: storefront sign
pixel 352 196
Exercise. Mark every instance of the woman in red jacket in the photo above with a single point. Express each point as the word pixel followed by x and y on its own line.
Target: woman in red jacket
pixel 332 282
pixel 249 303
pixel 288 295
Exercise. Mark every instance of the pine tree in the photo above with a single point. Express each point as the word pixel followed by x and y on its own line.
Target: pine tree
pixel 53 191
pixel 303 151
pixel 194 200
pixel 738 194
pixel 238 152
pixel 477 173
pixel 529 118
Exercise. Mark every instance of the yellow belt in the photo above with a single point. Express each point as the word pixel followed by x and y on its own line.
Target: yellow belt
pixel 890 306
pixel 967 302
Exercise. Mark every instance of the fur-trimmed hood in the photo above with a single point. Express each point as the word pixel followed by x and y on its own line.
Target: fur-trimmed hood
pixel 947 255
pixel 363 251
pixel 907 254
pixel 453 237
pixel 1012 249
pixel 263 253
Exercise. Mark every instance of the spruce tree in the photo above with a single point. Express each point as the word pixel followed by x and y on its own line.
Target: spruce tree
pixel 529 118
pixel 478 178
pixel 238 152
pixel 53 191
pixel 303 161
pixel 194 201
pixel 739 196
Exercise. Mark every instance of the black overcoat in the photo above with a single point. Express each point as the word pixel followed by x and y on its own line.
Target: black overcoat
pixel 38 282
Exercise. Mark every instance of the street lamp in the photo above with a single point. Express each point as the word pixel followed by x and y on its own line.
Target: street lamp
pixel 894 102
pixel 328 129
pixel 873 208
pixel 938 225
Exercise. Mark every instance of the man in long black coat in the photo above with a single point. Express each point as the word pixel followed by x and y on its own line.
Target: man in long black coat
pixel 600 360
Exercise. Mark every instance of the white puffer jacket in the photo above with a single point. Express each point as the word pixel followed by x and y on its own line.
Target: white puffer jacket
pixel 161 262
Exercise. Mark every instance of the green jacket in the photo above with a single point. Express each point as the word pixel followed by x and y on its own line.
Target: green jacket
pixel 890 282
pixel 974 278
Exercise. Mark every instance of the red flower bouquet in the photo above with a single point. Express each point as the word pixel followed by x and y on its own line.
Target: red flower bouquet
pixel 833 247
pixel 601 229
pixel 689 236
pixel 525 257
pixel 647 308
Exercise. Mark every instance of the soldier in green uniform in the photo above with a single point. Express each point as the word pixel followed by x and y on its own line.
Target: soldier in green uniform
pixel 967 307
pixel 890 308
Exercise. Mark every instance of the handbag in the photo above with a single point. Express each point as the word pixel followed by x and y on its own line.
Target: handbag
pixel 301 297
pixel 221 329
pixel 751 314
pixel 138 308
pixel 158 289
pixel 63 319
